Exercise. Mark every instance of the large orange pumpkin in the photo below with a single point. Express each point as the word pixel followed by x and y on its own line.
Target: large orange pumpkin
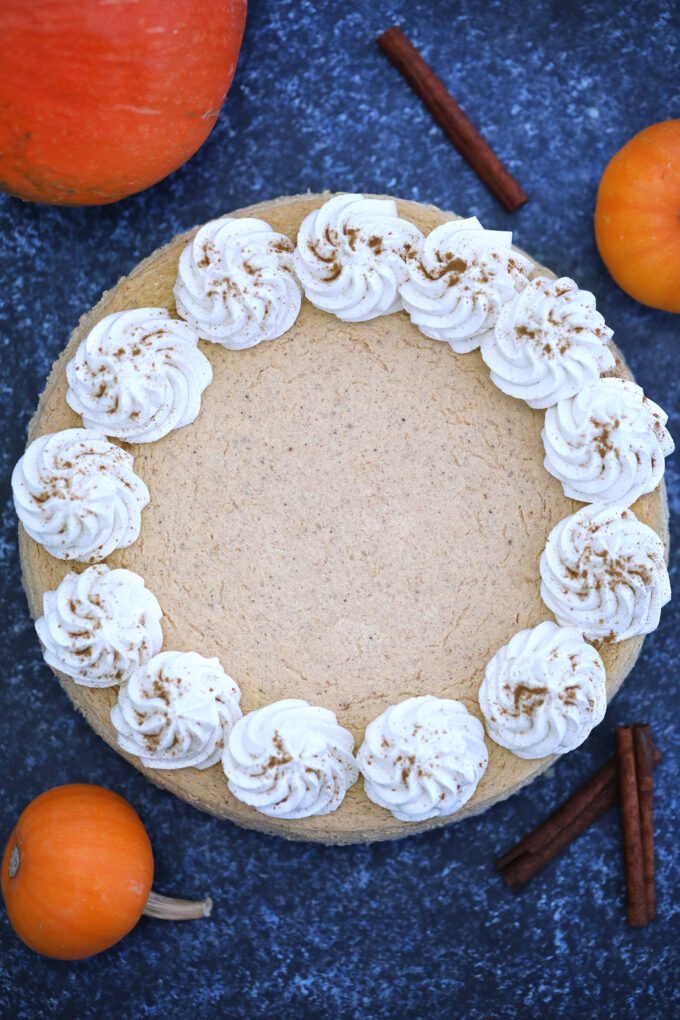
pixel 637 216
pixel 77 871
pixel 101 100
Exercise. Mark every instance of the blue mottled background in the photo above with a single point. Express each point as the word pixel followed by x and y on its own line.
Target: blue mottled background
pixel 420 928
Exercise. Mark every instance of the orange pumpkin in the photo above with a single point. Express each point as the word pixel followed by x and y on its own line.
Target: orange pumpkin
pixel 101 100
pixel 637 216
pixel 77 871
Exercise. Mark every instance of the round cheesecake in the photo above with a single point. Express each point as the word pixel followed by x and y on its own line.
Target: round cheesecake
pixel 356 517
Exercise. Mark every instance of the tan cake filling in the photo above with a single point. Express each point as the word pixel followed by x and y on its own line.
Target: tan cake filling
pixel 356 517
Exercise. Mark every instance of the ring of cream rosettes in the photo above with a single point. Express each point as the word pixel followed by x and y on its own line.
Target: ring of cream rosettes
pixel 140 373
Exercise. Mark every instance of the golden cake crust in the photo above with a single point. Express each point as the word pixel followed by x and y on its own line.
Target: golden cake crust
pixel 356 517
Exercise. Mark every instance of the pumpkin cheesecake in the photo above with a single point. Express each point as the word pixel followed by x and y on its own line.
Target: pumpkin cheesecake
pixel 360 505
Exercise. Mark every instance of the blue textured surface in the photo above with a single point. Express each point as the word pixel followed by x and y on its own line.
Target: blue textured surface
pixel 421 928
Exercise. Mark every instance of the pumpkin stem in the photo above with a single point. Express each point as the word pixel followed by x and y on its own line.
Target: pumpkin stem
pixel 14 859
pixel 169 909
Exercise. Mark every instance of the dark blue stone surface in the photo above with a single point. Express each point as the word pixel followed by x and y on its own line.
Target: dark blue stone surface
pixel 424 927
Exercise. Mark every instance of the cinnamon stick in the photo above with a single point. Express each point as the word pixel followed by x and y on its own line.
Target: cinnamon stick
pixel 644 770
pixel 631 829
pixel 451 118
pixel 563 826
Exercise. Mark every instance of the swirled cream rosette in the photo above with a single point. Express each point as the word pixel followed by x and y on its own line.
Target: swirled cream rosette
pixel 236 285
pixel 604 572
pixel 138 375
pixel 290 759
pixel 77 495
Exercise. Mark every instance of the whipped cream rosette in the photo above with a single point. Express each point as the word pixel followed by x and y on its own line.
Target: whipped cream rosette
pixel 604 572
pixel 423 758
pixel 607 444
pixel 138 375
pixel 235 284
pixel 543 692
pixel 351 256
pixel 459 281
pixel 99 626
pixel 290 759
pixel 176 711
pixel 548 343
pixel 77 495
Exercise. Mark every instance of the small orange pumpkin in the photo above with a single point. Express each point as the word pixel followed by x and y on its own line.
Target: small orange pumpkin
pixel 77 873
pixel 637 216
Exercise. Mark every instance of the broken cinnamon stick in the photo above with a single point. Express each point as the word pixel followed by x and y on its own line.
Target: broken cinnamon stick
pixel 451 118
pixel 563 826
pixel 644 767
